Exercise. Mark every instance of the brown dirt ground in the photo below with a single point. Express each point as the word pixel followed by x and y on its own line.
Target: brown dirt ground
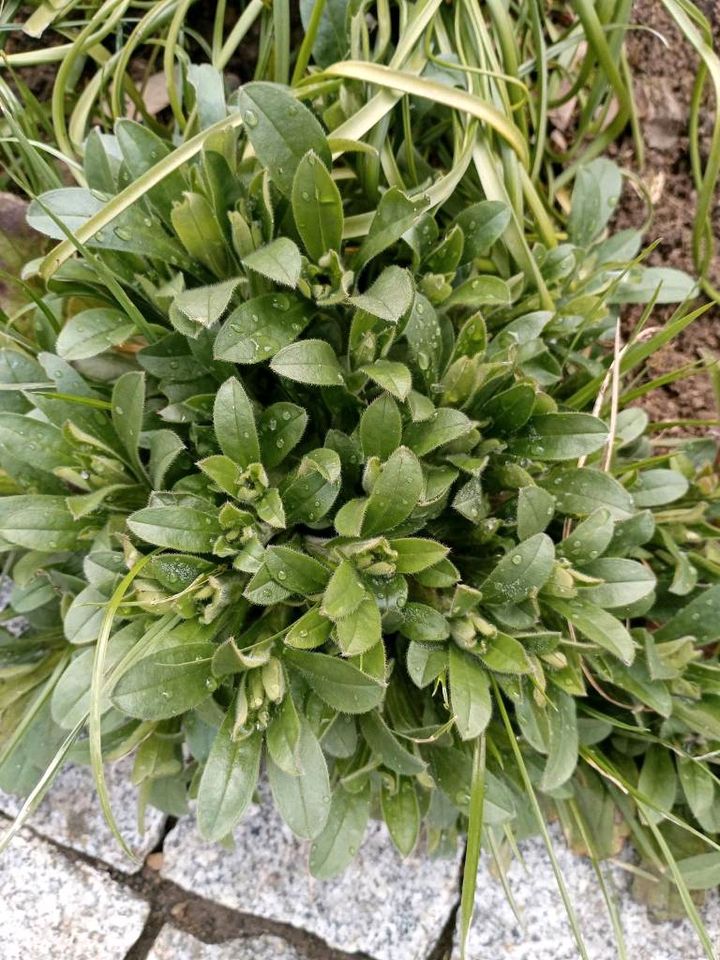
pixel 663 78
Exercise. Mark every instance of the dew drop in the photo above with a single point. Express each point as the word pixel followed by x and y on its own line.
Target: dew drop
pixel 251 118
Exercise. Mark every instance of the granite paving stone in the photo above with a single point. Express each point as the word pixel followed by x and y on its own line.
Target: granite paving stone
pixel 17 624
pixel 71 815
pixel 497 935
pixel 51 907
pixel 173 944
pixel 389 908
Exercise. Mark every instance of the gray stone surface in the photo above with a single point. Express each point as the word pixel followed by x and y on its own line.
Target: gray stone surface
pixel 496 934
pixel 52 908
pixel 71 815
pixel 17 624
pixel 173 944
pixel 390 908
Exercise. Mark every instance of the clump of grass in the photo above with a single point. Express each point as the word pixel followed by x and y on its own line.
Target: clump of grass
pixel 319 455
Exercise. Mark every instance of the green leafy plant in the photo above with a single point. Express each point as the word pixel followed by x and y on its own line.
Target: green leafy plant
pixel 318 458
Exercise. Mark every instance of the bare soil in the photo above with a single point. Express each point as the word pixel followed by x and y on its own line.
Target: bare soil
pixel 663 78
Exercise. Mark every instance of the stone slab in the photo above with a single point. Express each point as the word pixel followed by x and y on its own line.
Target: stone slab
pixel 17 624
pixel 389 908
pixel 70 815
pixel 497 935
pixel 52 907
pixel 173 944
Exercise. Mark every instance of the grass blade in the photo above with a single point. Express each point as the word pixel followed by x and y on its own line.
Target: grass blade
pixel 133 192
pixel 96 691
pixel 602 882
pixel 474 843
pixel 687 900
pixel 540 819
pixel 460 100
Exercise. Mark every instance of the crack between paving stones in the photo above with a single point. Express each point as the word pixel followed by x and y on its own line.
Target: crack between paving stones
pixel 219 924
pixel 444 945
pixel 156 918
pixel 143 945
pixel 206 920
pixel 215 923
pixel 183 909
pixel 445 942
